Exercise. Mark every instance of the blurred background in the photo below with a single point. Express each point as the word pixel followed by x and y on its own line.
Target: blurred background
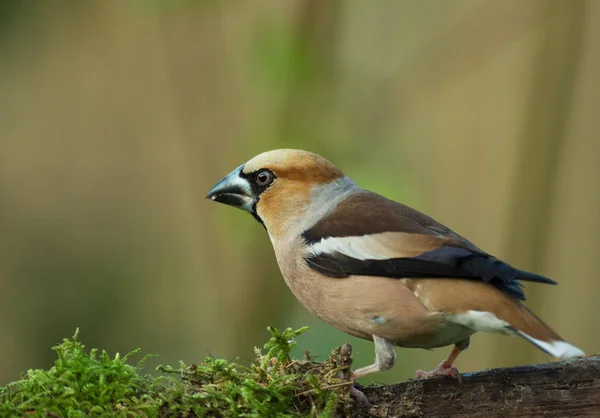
pixel 117 116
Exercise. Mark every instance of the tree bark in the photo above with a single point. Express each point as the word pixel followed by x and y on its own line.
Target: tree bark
pixel 568 388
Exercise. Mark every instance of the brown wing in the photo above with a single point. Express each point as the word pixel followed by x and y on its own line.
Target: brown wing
pixel 370 235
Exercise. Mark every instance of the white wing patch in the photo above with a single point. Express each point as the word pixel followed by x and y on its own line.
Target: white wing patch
pixel 365 247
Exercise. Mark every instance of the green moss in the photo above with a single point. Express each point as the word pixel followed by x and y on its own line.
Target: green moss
pixel 94 384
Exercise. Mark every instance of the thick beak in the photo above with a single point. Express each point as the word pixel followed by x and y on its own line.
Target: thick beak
pixel 233 190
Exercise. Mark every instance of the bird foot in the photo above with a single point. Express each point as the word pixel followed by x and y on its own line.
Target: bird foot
pixel 360 397
pixel 442 370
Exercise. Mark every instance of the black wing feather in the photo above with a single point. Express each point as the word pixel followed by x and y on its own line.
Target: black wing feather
pixel 445 262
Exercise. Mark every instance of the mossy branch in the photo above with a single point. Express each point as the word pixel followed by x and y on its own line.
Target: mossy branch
pixel 82 384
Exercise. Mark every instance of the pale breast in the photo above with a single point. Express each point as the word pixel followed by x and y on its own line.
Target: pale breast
pixel 364 306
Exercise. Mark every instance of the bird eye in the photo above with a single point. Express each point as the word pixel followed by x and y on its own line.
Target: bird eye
pixel 264 178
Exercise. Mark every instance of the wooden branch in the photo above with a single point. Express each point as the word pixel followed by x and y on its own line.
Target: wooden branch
pixel 568 388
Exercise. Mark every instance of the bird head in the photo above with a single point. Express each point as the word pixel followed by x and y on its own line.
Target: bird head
pixel 283 189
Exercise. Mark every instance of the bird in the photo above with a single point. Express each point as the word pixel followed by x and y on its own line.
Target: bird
pixel 380 270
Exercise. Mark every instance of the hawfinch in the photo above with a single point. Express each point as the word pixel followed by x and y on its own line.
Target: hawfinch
pixel 377 269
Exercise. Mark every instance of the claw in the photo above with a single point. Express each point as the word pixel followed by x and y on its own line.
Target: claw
pixel 360 397
pixel 442 370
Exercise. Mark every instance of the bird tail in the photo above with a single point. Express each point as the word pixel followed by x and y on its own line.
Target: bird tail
pixel 480 307
pixel 533 329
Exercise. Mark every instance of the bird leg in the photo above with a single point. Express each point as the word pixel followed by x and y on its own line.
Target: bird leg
pixel 446 367
pixel 385 358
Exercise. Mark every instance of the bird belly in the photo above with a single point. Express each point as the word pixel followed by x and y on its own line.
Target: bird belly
pixel 363 306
